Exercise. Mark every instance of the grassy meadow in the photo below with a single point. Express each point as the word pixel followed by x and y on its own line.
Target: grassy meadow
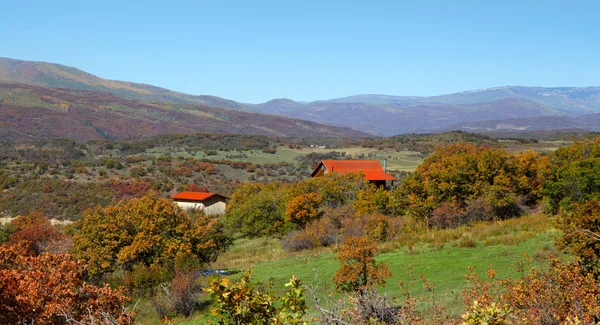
pixel 442 256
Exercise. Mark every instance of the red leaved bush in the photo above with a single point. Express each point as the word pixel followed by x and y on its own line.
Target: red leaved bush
pixel 49 288
pixel 565 293
pixel 35 230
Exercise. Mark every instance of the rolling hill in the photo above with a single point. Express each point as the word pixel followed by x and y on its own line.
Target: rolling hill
pixel 32 112
pixel 56 75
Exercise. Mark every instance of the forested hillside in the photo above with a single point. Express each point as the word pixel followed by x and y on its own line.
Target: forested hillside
pixel 33 113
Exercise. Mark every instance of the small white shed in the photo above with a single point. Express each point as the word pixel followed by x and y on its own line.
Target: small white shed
pixel 211 203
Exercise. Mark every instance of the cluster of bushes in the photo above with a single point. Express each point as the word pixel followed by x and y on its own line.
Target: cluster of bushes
pixel 457 184
pixel 148 245
pixel 462 182
pixel 202 141
pixel 309 161
pixel 427 143
pixel 312 213
pixel 575 175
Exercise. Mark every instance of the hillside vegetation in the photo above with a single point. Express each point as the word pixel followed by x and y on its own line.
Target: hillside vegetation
pixel 34 113
pixel 60 76
pixel 328 250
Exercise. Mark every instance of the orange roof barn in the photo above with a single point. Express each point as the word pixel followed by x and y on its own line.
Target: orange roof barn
pixel 371 168
pixel 210 203
pixel 194 196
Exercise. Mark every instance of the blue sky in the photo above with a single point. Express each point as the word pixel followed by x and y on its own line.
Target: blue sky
pixel 253 51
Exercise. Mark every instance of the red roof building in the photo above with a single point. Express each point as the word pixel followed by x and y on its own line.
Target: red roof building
pixel 370 168
pixel 211 203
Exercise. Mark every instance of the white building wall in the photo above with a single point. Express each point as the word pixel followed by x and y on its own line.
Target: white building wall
pixel 215 208
pixel 211 206
pixel 190 205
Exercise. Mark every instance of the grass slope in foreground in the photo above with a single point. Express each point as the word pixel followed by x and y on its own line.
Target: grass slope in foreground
pixel 442 256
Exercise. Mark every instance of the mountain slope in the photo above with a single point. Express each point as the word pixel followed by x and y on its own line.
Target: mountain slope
pixel 590 122
pixel 57 75
pixel 571 100
pixel 414 119
pixel 32 112
pixel 388 115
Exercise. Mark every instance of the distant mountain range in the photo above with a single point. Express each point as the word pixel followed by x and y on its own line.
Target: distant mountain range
pixel 502 108
pixel 590 122
pixel 389 115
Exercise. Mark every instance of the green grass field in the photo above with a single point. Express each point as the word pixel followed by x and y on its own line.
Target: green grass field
pixel 404 160
pixel 440 255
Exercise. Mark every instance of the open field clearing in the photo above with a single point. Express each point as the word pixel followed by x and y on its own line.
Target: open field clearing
pixel 541 146
pixel 441 256
pixel 402 161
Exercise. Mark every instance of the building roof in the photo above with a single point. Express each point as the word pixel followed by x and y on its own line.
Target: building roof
pixel 195 196
pixel 371 168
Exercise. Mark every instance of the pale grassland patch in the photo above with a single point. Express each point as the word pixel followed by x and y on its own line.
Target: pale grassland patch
pixel 505 232
pixel 247 252
pixel 53 222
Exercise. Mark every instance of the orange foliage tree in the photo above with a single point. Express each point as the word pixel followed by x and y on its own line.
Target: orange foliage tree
pixel 50 289
pixel 462 173
pixel 581 234
pixel 34 218
pixel 148 231
pixel 565 293
pixel 359 271
pixel 36 231
pixel 303 208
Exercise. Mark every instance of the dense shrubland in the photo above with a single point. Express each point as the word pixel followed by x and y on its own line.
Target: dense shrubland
pixel 148 246
pixel 130 236
pixel 457 184
pixel 462 182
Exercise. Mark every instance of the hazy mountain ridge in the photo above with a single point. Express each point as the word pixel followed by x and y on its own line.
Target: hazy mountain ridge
pixel 390 115
pixel 387 120
pixel 590 122
pixel 374 113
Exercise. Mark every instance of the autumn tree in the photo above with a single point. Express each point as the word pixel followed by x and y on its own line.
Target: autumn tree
pixel 375 199
pixel 32 219
pixel 303 208
pixel 562 293
pixel 462 174
pixel 581 234
pixel 50 289
pixel 148 232
pixel 334 188
pixel 36 231
pixel 359 271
